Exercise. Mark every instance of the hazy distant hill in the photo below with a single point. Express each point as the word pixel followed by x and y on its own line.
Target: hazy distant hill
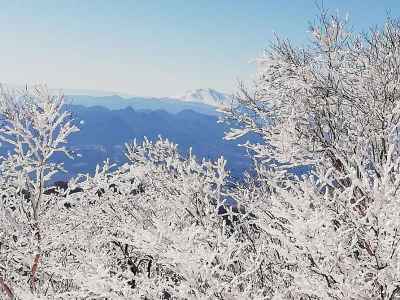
pixel 139 103
pixel 203 101
pixel 104 132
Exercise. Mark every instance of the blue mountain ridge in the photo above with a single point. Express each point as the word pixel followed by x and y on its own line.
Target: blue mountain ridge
pixel 141 103
pixel 103 133
pixel 108 122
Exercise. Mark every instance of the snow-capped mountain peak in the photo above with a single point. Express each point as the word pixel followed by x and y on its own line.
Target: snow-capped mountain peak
pixel 205 96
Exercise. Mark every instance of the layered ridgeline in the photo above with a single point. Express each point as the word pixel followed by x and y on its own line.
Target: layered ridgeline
pixel 107 122
pixel 203 101
pixel 103 133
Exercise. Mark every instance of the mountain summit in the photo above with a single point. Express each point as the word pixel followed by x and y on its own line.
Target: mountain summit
pixel 206 96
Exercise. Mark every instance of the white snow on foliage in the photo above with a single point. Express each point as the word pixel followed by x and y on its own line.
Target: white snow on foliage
pixel 157 227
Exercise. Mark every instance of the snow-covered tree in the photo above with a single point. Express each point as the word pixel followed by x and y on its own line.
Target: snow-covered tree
pixel 36 127
pixel 333 105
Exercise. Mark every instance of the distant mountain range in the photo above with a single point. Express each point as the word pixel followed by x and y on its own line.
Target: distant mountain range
pixel 141 104
pixel 104 132
pixel 203 101
pixel 199 100
pixel 205 96
pixel 107 122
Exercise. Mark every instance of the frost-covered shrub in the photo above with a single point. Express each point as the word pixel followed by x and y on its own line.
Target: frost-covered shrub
pixel 36 127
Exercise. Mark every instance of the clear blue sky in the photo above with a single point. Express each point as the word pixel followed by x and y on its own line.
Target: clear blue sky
pixel 154 47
